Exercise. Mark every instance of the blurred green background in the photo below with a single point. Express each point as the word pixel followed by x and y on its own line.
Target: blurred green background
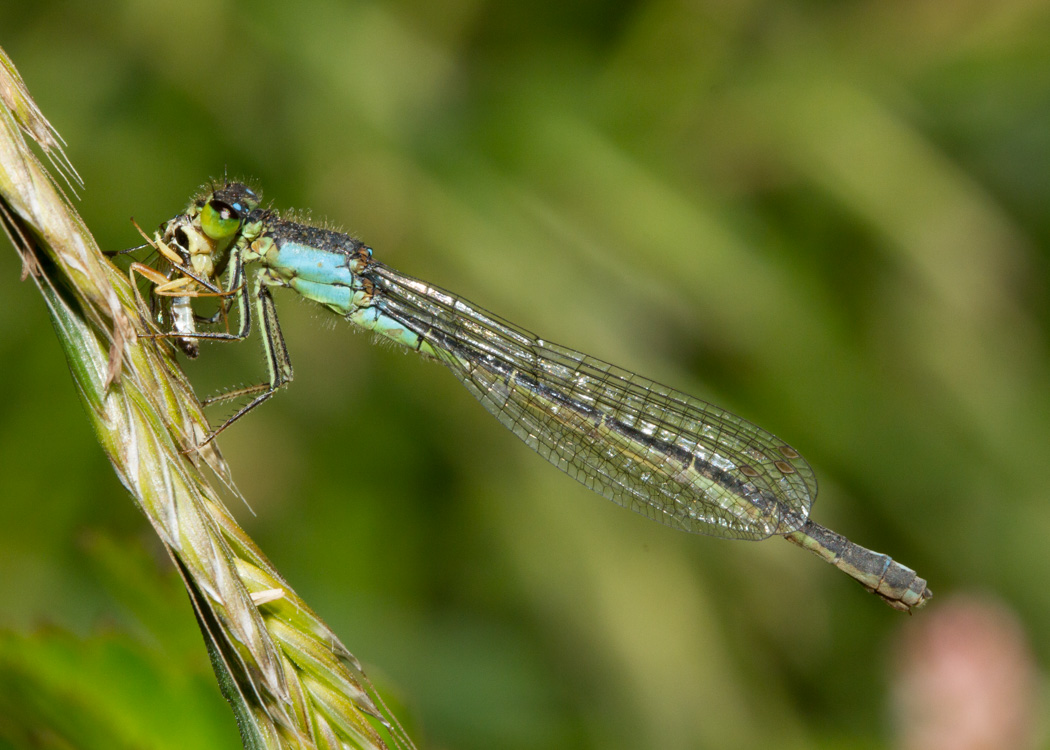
pixel 829 218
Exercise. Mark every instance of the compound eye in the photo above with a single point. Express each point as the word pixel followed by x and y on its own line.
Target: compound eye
pixel 220 220
pixel 182 243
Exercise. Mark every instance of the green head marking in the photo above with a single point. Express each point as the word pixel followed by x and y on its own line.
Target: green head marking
pixel 225 209
pixel 219 220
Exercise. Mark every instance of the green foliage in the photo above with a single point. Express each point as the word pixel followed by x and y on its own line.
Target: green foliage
pixel 141 680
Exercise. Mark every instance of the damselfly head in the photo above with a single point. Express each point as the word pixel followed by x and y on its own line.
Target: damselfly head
pixel 226 204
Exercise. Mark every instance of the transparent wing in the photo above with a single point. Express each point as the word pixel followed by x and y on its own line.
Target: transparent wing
pixel 647 447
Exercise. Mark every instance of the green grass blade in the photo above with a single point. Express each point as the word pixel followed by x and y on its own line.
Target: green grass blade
pixel 290 680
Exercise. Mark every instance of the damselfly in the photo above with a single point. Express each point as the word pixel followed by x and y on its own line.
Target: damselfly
pixel 647 447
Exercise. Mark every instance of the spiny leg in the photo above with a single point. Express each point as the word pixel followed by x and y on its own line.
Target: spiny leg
pixel 277 361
